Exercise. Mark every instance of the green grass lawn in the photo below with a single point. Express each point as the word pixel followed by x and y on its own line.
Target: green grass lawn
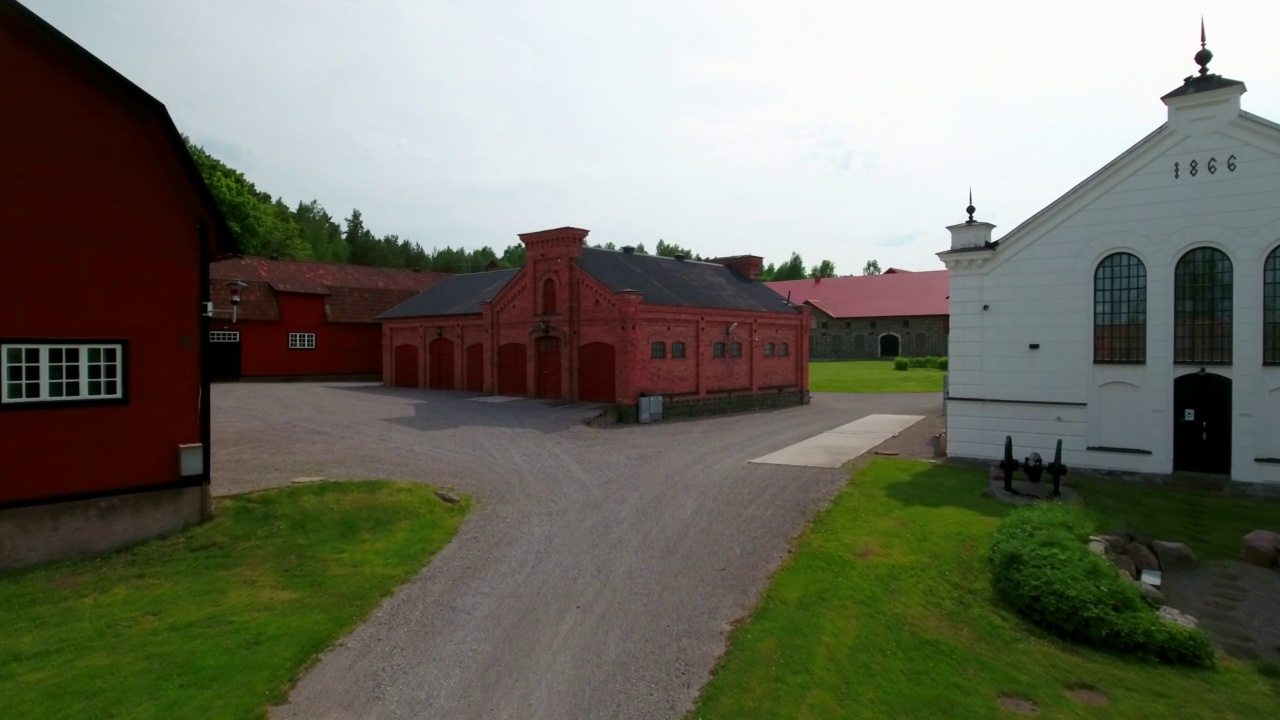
pixel 886 610
pixel 871 376
pixel 217 621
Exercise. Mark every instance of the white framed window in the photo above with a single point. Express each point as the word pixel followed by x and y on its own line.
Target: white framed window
pixel 302 341
pixel 224 336
pixel 61 372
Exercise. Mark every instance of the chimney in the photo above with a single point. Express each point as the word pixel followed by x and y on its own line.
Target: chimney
pixel 970 234
pixel 679 257
pixel 629 249
pixel 748 266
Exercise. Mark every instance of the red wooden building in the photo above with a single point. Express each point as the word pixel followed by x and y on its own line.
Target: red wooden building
pixel 578 323
pixel 104 431
pixel 298 318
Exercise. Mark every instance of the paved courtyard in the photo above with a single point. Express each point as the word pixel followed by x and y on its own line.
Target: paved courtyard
pixel 599 571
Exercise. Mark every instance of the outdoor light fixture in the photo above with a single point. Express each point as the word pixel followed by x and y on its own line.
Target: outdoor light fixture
pixel 439 331
pixel 234 286
pixel 731 328
pixel 544 326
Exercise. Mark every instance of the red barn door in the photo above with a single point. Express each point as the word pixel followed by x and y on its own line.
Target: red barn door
pixel 475 368
pixel 596 373
pixel 548 367
pixel 512 378
pixel 440 371
pixel 404 365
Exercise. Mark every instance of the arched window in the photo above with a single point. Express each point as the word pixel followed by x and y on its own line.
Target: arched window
pixel 735 349
pixel 658 350
pixel 717 350
pixel 549 297
pixel 784 350
pixel 768 349
pixel 1271 309
pixel 1120 310
pixel 1202 308
pixel 677 349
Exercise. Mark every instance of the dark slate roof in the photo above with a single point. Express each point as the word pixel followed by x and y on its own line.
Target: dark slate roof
pixel 1201 83
pixel 458 295
pixel 687 283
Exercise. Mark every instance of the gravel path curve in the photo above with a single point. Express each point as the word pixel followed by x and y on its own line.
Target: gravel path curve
pixel 599 572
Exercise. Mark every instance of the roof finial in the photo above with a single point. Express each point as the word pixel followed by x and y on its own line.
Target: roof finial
pixel 1205 55
pixel 971 209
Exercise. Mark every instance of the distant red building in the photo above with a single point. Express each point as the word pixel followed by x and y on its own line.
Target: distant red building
pixel 108 234
pixel 897 313
pixel 579 323
pixel 304 318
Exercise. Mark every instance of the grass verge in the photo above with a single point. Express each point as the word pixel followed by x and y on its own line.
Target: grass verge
pixel 871 376
pixel 217 621
pixel 886 610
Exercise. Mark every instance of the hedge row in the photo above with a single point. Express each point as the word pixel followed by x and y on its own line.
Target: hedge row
pixel 1041 565
pixel 903 363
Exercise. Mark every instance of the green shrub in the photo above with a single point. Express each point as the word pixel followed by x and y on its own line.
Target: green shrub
pixel 1041 565
pixel 942 363
pixel 901 363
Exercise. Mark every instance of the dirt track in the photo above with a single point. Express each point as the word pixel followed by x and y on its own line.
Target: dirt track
pixel 597 576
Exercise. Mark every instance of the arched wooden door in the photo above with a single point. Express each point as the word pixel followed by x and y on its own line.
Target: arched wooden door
pixel 547 367
pixel 596 373
pixel 475 368
pixel 440 369
pixel 889 346
pixel 512 378
pixel 404 366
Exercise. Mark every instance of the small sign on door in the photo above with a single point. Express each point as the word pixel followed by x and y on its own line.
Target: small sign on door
pixel 1189 414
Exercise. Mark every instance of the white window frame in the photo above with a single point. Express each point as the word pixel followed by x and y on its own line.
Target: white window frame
pixel 102 372
pixel 302 341
pixel 224 336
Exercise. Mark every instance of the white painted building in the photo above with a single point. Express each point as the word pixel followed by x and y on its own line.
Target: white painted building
pixel 1137 317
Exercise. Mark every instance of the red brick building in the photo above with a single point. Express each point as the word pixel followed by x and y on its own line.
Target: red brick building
pixel 104 419
pixel 897 313
pixel 578 323
pixel 298 318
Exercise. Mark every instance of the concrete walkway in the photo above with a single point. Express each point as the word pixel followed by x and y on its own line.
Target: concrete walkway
pixel 838 446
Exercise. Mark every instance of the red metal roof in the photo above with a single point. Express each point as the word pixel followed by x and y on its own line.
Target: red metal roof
pixel 354 293
pixel 897 294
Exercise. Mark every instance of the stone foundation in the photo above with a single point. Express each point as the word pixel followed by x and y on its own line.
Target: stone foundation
pixel 675 408
pixel 61 530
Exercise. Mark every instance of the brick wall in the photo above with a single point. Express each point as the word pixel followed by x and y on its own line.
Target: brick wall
pixel 673 409
pixel 853 338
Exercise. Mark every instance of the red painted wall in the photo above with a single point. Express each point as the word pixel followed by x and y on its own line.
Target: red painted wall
pixel 341 348
pixel 587 312
pixel 99 242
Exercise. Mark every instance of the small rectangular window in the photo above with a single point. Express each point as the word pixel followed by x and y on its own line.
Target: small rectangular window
pixel 302 341
pixel 224 336
pixel 848 324
pixel 61 372
pixel 677 349
pixel 783 350
pixel 768 349
pixel 717 350
pixel 824 324
pixel 735 349
pixel 657 350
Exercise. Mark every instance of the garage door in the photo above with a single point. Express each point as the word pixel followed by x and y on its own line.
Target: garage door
pixel 440 371
pixel 404 366
pixel 512 379
pixel 596 373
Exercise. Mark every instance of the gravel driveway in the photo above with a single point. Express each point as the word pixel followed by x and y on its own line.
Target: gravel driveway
pixel 599 572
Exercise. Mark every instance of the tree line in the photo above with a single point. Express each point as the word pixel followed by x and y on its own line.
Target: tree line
pixel 267 226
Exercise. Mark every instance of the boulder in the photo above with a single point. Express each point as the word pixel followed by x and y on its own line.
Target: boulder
pixel 1177 617
pixel 1173 555
pixel 1151 594
pixel 1098 546
pixel 1115 543
pixel 1142 557
pixel 1260 547
pixel 447 497
pixel 1125 566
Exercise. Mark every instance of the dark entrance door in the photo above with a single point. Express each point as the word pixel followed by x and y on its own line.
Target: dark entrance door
pixel 224 355
pixel 547 365
pixel 475 368
pixel 596 373
pixel 1202 423
pixel 440 370
pixel 404 366
pixel 512 377
pixel 889 346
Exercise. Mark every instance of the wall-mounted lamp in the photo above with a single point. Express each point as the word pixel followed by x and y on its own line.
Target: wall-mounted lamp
pixel 731 328
pixel 439 331
pixel 986 307
pixel 234 287
pixel 544 326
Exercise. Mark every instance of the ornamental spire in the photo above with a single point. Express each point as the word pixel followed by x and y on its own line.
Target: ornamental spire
pixel 1205 55
pixel 971 209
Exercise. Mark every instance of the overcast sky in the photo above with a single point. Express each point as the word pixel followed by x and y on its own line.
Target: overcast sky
pixel 842 130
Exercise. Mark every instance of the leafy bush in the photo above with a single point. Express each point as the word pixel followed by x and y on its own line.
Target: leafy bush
pixel 1041 565
pixel 927 361
pixel 942 363
pixel 900 363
